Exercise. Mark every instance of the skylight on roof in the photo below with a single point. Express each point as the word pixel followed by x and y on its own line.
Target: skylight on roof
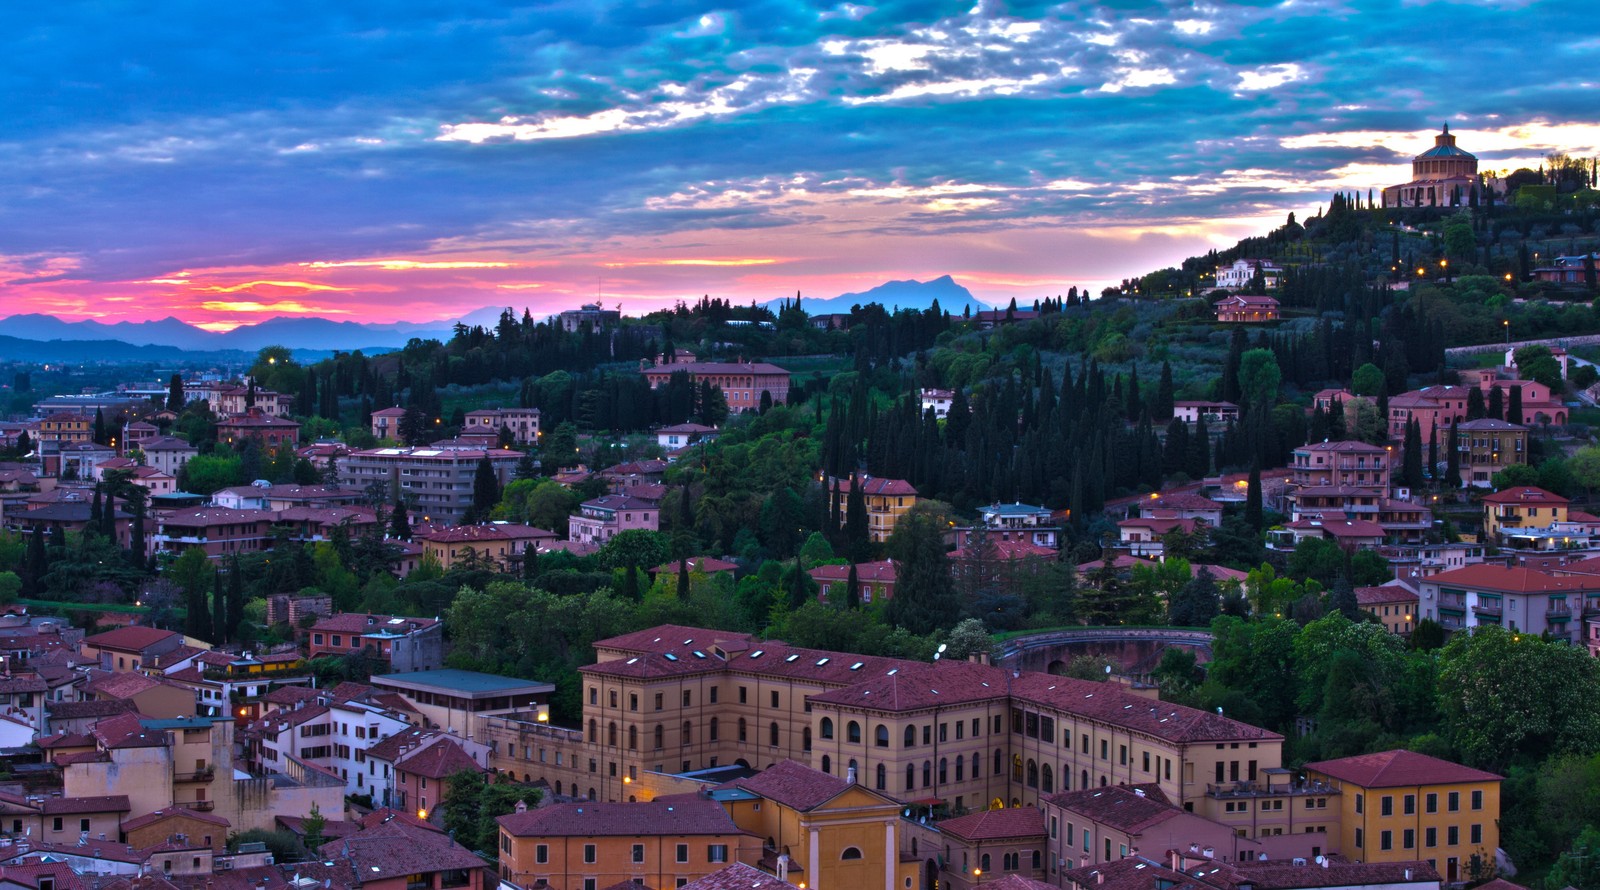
pixel 857 666
pixel 792 658
pixel 699 654
pixel 822 661
pixel 758 653
pixel 670 657
pixel 632 660
pixel 892 672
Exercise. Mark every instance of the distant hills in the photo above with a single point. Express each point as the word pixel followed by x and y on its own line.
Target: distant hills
pixel 894 295
pixel 37 337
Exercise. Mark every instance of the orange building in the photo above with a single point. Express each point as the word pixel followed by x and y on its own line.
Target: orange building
pixel 663 843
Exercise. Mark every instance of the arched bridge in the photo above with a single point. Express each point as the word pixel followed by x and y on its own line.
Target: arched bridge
pixel 1137 649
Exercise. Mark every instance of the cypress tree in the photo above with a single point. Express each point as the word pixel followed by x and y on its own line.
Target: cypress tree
pixel 530 564
pixel 852 589
pixel 219 611
pixel 1497 401
pixel 175 394
pixel 96 514
pixel 683 577
pixel 1514 408
pixel 38 563
pixel 235 597
pixel 485 491
pixel 1433 449
pixel 1452 472
pixel 1475 409
pixel 400 521
pixel 1252 498
pixel 1411 454
pixel 857 540
pixel 99 427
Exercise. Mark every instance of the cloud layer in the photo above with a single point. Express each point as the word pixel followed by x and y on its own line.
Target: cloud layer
pixel 227 162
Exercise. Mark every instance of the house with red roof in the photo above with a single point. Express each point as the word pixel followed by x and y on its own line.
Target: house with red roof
pixel 151 696
pixel 886 501
pixel 396 854
pixel 704 565
pixel 739 876
pixel 420 774
pixel 603 518
pixel 1395 604
pixel 991 843
pixel 1516 598
pixel 402 644
pixel 874 580
pixel 664 842
pixel 1100 825
pixel 1246 308
pixel 1399 806
pixel 271 432
pixel 130 648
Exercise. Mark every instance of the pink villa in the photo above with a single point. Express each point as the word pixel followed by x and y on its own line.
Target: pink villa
pixel 874 580
pixel 217 530
pixel 1341 463
pixel 386 423
pixel 601 519
pixel 742 383
pixel 1241 308
pixel 1443 405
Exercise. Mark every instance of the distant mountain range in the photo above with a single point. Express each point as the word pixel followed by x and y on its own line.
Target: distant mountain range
pixel 169 338
pixel 894 295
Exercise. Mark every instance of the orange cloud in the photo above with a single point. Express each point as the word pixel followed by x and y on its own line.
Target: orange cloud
pixel 406 265
pixel 293 306
pixel 251 285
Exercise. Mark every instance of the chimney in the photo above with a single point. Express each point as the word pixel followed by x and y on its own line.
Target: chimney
pixel 1323 861
pixel 1209 852
pixel 1408 874
pixel 521 807
pixel 850 775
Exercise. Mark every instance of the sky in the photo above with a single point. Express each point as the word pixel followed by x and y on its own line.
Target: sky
pixel 414 161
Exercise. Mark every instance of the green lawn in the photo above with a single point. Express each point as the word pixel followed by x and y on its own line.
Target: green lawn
pixel 84 607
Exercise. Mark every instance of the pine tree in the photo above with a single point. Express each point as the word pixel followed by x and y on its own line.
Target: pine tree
pixel 485 492
pixel 1252 499
pixel 219 611
pixel 399 521
pixel 175 394
pixel 852 589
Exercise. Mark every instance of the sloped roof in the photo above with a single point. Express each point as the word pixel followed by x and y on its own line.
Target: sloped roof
pixel 1127 808
pixel 129 639
pixel 793 784
pixel 739 876
pixel 987 825
pixel 1393 769
pixel 679 814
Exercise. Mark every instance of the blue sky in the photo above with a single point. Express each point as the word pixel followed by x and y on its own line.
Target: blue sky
pixel 227 162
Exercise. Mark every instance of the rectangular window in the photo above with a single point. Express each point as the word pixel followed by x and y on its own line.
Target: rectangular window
pixel 1476 834
pixel 541 854
pixel 1360 838
pixel 1431 803
pixel 1477 800
pixel 638 852
pixel 1431 837
pixel 1452 835
pixel 1410 804
pixel 742 693
pixel 774 698
pixel 717 853
pixel 1408 839
pixel 713 695
pixel 1453 802
pixel 1147 761
pixel 943 731
pixel 683 853
pixel 589 854
pixel 1386 840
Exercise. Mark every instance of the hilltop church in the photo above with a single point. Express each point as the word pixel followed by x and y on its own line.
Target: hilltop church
pixel 1442 176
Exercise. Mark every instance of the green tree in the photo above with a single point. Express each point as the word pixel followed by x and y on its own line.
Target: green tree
pixel 1259 377
pixel 969 637
pixel 925 597
pixel 1535 362
pixel 485 492
pixel 1368 380
pixel 175 396
pixel 1508 695
pixel 1195 604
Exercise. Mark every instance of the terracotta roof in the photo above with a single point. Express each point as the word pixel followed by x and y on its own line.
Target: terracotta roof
pixel 495 532
pixel 123 685
pixel 165 443
pixel 176 812
pixel 717 368
pixel 987 825
pixel 1511 580
pixel 1126 808
pixel 384 815
pixel 619 502
pixel 1385 595
pixel 707 564
pixel 65 740
pixel 1526 494
pixel 1184 500
pixel 440 760
pixel 1501 884
pixel 668 638
pixel 364 623
pixel 739 876
pixel 1393 769
pixel 331 828
pixel 1488 424
pixel 1343 446
pixel 28 874
pixel 679 814
pixel 393 849
pixel 880 572
pixel 61 806
pixel 1281 875
pixel 259 877
pixel 1016 881
pixel 129 639
pixel 793 784
pixel 1013 550
pixel 1118 707
pixel 873 485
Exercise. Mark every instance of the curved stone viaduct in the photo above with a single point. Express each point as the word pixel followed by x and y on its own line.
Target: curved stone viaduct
pixel 1137 649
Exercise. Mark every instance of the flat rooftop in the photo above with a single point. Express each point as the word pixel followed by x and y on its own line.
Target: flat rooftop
pixel 464 683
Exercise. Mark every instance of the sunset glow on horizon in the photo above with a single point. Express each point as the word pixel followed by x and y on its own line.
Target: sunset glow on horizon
pixel 389 165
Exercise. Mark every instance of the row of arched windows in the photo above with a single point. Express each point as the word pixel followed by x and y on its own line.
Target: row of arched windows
pixel 1010 861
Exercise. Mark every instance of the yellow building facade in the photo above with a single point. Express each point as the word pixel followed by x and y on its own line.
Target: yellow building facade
pixel 1400 806
pixel 1518 508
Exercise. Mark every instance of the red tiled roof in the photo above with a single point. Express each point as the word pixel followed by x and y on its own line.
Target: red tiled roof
pixel 794 785
pixel 175 813
pixel 124 685
pixel 1384 595
pixel 1343 446
pixel 440 760
pixel 129 639
pixel 1393 769
pixel 1510 580
pixel 679 814
pixel 393 849
pixel 364 623
pixel 739 876
pixel 709 565
pixel 63 806
pixel 1014 550
pixel 872 485
pixel 384 814
pixel 29 874
pixel 1127 808
pixel 1526 494
pixel 1184 500
pixel 880 572
pixel 988 825
pixel 496 532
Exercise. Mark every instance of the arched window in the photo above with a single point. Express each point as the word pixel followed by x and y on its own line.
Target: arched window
pixel 633 737
pixel 591 792
pixel 983 862
pixel 688 732
pixel 712 730
pixel 883 778
pixel 1102 781
pixel 944 768
pixel 661 735
pixel 1016 767
pixel 911 736
pixel 852 733
pixel 827 764
pixel 911 776
pixel 611 733
pixel 805 739
pixel 827 727
pixel 851 853
pixel 594 731
pixel 882 736
pixel 1083 779
pixel 742 729
pixel 1047 779
pixel 1033 774
pixel 558 788
pixel 772 735
pixel 1037 862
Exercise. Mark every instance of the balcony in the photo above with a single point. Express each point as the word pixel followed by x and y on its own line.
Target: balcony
pixel 199 775
pixel 1591 609
pixel 1487 610
pixel 1453 603
pixel 1558 613
pixel 199 806
pixel 1511 519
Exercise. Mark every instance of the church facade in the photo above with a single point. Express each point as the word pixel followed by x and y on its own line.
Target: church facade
pixel 1443 176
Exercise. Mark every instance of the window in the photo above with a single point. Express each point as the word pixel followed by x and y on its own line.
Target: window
pixel 1475 835
pixel 772 734
pixel 1452 835
pixel 911 776
pixel 613 696
pixel 911 736
pixel 1410 804
pixel 881 737
pixel 1431 803
pixel 717 853
pixel 713 695
pixel 983 862
pixel 659 700
pixel 56 823
pixel 688 732
pixel 853 732
pixel 774 698
pixel 827 764
pixel 660 736
pixel 1477 800
pixel 1430 837
pixel 83 824
pixel 742 692
pixel 1386 840
pixel 944 767
pixel 826 727
pixel 638 852
pixel 805 739
pixel 589 853
pixel 687 696
pixel 1360 804
pixel 683 853
pixel 883 776
pixel 1386 806
pixel 594 695
pixel 1453 802
pixel 855 853
pixel 712 729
